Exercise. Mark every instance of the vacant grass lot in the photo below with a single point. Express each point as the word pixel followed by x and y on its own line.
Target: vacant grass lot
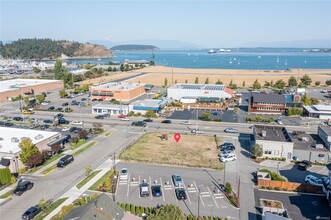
pixel 191 151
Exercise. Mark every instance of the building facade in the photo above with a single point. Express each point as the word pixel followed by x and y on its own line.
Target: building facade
pixel 317 111
pixel 194 92
pixel 267 103
pixel 9 144
pixel 101 109
pixel 324 132
pixel 13 88
pixel 118 91
pixel 142 106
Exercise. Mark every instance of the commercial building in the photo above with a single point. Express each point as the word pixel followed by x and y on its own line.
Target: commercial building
pixel 190 93
pixel 324 132
pixel 16 87
pixel 275 141
pixel 9 144
pixel 267 103
pixel 101 109
pixel 317 111
pixel 118 91
pixel 143 106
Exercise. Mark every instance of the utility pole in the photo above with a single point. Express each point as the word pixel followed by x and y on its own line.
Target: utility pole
pixel 224 174
pixel 238 200
pixel 199 203
pixel 114 163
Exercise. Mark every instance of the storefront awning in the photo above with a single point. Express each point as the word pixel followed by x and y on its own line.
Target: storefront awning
pixel 5 162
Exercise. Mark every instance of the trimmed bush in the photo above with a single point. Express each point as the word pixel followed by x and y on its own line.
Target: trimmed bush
pixel 5 176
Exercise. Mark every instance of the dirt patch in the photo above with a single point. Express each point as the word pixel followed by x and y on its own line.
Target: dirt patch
pixel 191 150
pixel 272 204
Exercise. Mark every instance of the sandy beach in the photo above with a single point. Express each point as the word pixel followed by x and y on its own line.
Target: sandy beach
pixel 157 74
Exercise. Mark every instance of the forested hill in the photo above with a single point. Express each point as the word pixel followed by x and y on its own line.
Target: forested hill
pixel 52 49
pixel 134 47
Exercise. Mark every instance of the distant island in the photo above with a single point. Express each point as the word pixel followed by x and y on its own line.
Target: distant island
pixel 134 47
pixel 52 49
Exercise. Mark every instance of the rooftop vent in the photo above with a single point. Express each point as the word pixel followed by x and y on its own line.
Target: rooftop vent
pixel 14 139
pixel 264 133
pixel 304 138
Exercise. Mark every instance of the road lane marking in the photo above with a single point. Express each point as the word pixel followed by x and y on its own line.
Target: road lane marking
pixel 187 194
pixel 213 197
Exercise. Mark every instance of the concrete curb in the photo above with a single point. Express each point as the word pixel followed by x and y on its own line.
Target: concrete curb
pixel 289 192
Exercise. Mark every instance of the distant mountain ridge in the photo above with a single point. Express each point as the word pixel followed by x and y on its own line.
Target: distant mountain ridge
pixel 134 47
pixel 52 49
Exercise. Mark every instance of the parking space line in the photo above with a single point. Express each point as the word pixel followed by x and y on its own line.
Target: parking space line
pixel 139 187
pixel 213 197
pixel 187 194
pixel 127 193
pixel 150 184
pixel 163 193
pixel 117 185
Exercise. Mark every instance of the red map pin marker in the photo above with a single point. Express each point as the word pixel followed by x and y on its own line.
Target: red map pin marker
pixel 177 137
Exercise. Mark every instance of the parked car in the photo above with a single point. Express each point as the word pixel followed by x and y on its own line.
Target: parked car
pixel 225 152
pixel 144 189
pixel 100 100
pixel 215 113
pixel 63 121
pixel 8 124
pixel 64 161
pixel 31 212
pixel 44 103
pixel 148 120
pixel 167 121
pixel 228 157
pixel 196 131
pixel 65 129
pixel 83 99
pixel 72 129
pixel 313 180
pixel 59 109
pixel 178 181
pixel 81 104
pixel 231 130
pixel 17 119
pixel 186 123
pixel 93 100
pixel 28 112
pixel 65 104
pixel 304 165
pixel 139 123
pixel 156 190
pixel 51 108
pixel 99 117
pixel 22 187
pixel 180 194
pixel 44 127
pixel 48 121
pixel 124 174
pixel 59 115
pixel 122 116
pixel 77 123
pixel 107 115
pixel 125 119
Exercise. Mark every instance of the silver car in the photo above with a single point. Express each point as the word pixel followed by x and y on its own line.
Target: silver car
pixel 178 181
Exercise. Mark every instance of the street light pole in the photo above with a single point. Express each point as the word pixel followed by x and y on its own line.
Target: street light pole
pixel 198 203
pixel 224 174
pixel 278 167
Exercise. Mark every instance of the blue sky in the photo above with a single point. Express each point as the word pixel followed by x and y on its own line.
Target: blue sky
pixel 206 23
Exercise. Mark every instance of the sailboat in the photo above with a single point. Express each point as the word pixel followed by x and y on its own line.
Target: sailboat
pixel 153 56
pixel 305 60
pixel 277 59
pixel 286 63
pixel 259 57
pixel 230 61
pixel 239 61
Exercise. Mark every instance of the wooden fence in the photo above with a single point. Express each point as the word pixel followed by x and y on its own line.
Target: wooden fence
pixel 289 186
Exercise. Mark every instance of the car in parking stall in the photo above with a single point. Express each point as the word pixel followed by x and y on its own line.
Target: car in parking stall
pixel 65 104
pixel 31 212
pixel 156 190
pixel 180 193
pixel 48 121
pixel 144 189
pixel 313 180
pixel 66 129
pixel 304 165
pixel 17 119
pixel 177 180
pixel 51 108
pixel 228 157
pixel 124 174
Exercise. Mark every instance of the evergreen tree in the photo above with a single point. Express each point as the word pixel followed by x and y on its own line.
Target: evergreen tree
pixel 280 84
pixel 196 80
pixel 292 81
pixel 165 82
pixel 305 100
pixel 244 83
pixel 256 85
pixel 219 82
pixel 58 70
pixel 207 81
pixel 28 149
pixel 306 80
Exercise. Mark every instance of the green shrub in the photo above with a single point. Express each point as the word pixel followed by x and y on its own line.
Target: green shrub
pixel 228 187
pixel 5 176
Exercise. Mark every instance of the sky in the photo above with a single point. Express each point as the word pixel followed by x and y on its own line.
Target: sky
pixel 210 23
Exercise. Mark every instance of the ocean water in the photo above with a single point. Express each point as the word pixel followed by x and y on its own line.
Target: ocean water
pixel 280 59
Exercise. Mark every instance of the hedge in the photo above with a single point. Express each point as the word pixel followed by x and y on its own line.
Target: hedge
pixel 5 176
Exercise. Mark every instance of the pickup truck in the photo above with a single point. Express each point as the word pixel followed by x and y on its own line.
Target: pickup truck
pixel 139 123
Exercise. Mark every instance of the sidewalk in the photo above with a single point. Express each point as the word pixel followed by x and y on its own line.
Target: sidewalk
pixel 74 193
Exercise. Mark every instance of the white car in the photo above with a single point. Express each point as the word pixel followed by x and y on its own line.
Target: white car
pixel 125 119
pixel 124 174
pixel 228 157
pixel 313 180
pixel 77 123
pixel 196 131
pixel 65 129
pixel 225 152
pixel 186 123
pixel 44 103
pixel 231 130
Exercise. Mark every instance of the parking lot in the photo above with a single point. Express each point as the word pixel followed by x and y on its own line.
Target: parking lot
pixel 210 200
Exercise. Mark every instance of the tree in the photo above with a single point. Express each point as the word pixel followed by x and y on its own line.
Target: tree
pixel 150 114
pixel 219 82
pixel 256 85
pixel 88 170
pixel 85 87
pixel 196 80
pixel 122 68
pixel 266 83
pixel 167 212
pixel 272 82
pixel 328 82
pixel 305 100
pixel 35 159
pixel 110 69
pixel 244 83
pixel 257 150
pixel 314 101
pixel 40 98
pixel 175 81
pixel 185 81
pixel 27 149
pixel 58 70
pixel 230 84
pixel 57 148
pixel 5 176
pixel 43 203
pixel 228 188
pixel 165 82
pixel 306 80
pixel 293 111
pixel 88 74
pixel 292 81
pixel 280 84
pixel 317 83
pixel 82 134
pixel 207 81
pixel 234 86
pixel 26 99
pixel 63 93
pixel 205 116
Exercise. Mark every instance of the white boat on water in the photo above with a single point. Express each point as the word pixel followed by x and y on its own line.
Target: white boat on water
pixel 305 61
pixel 230 61
pixel 277 59
pixel 224 50
pixel 211 51
pixel 259 57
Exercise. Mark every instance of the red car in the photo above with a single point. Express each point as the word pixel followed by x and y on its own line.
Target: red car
pixel 122 116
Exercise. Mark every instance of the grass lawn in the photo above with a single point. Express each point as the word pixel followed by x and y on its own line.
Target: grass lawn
pixel 88 178
pixel 43 214
pixel 84 148
pixel 49 169
pixel 7 194
pixel 191 151
pixel 109 176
